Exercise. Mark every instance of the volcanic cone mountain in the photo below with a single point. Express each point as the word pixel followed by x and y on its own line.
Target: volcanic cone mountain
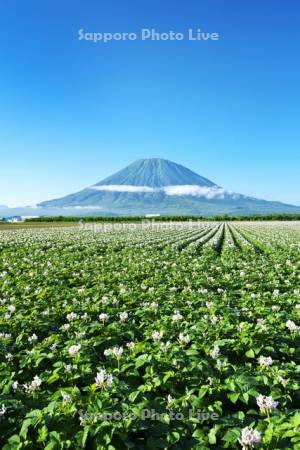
pixel 164 187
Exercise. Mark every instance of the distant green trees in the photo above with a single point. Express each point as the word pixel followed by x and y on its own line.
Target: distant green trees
pixel 116 219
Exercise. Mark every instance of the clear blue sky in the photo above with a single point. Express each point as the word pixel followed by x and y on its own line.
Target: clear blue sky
pixel 73 112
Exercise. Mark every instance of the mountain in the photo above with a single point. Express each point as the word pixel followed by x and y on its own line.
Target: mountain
pixel 161 186
pixel 155 173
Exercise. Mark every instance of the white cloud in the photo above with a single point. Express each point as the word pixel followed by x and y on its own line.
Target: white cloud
pixel 180 190
pixel 196 191
pixel 122 188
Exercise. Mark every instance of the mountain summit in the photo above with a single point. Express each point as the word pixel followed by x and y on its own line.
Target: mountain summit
pixel 160 186
pixel 155 173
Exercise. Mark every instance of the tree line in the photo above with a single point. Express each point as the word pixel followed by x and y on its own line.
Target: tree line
pixel 221 218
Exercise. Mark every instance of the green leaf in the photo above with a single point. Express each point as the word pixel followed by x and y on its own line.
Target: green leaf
pixel 13 443
pixel 250 353
pixel 25 425
pixel 233 397
pixel 168 375
pixel 54 377
pixel 212 436
pixel 141 360
pixel 132 397
pixel 173 437
pixel 203 391
pixel 245 397
pixel 231 436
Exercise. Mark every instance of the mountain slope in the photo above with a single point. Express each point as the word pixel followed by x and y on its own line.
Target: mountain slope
pixel 161 186
pixel 155 173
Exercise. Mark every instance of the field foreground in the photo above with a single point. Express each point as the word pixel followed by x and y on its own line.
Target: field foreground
pixel 175 336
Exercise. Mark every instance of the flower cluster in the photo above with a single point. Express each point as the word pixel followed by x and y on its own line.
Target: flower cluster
pixel 103 380
pixel 266 404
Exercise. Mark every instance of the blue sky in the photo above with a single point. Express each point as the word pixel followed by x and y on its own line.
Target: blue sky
pixel 73 112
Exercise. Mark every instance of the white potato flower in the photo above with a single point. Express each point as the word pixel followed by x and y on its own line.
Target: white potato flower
pixel 72 316
pixel 103 380
pixel 176 317
pixel 66 397
pixel 3 410
pixel 250 438
pixel 214 353
pixel 103 317
pixel 183 339
pixel 290 324
pixel 265 361
pixel 266 404
pixel 130 345
pixel 74 349
pixel 123 316
pixel 157 335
